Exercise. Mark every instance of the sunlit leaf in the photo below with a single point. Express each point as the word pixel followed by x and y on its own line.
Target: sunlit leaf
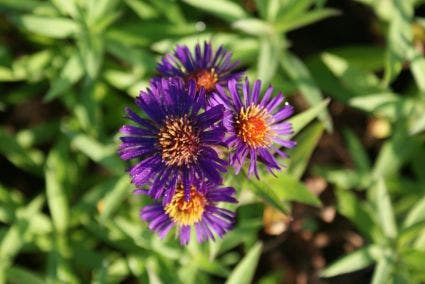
pixel 244 271
pixel 353 261
pixel 224 9
pixel 50 27
pixel 302 78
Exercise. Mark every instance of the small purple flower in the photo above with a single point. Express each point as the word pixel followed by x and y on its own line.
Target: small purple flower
pixel 205 67
pixel 254 125
pixel 175 142
pixel 199 211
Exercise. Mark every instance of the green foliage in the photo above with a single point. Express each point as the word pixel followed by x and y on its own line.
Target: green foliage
pixel 84 60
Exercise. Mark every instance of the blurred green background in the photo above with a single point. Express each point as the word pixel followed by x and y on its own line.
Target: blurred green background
pixel 349 207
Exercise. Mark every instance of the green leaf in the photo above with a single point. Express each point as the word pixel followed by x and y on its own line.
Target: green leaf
pixel 379 104
pixel 270 50
pixel 365 57
pixel 227 10
pixel 103 154
pixel 416 214
pixel 56 186
pixel 384 210
pixel 286 25
pixel 301 120
pixel 253 26
pixel 244 271
pixel 115 197
pixel 23 276
pixel 417 66
pixel 357 81
pixel 300 155
pixel 299 73
pixel 22 5
pixel 327 81
pixel 91 52
pixel 350 207
pixel 268 194
pixel 345 178
pixel 382 272
pixel 14 239
pixel 353 261
pixel 395 152
pixel 54 27
pixel 288 188
pixel 19 156
pixel 358 153
pixel 66 7
pixel 212 267
pixel 71 73
pixel 86 206
pixel 142 9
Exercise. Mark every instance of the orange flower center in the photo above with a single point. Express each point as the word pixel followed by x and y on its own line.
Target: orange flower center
pixel 252 126
pixel 179 141
pixel 184 212
pixel 205 78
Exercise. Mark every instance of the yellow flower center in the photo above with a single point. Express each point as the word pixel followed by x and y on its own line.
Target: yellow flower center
pixel 186 213
pixel 252 126
pixel 179 141
pixel 205 78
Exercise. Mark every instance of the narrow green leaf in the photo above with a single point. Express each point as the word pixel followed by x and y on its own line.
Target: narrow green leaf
pixel 288 188
pixel 22 5
pixel 66 7
pixel 299 73
pixel 301 120
pixel 91 52
pixel 14 239
pixel 253 26
pixel 384 209
pixel 356 260
pixel 327 81
pixel 268 194
pixel 382 272
pixel 270 50
pixel 350 207
pixel 292 9
pixel 358 153
pixel 395 152
pixel 418 69
pixel 244 271
pixel 23 276
pixel 308 18
pixel 212 267
pixel 103 154
pixel 48 26
pixel 357 81
pixel 56 191
pixel 416 214
pixel 300 155
pixel 227 10
pixel 114 199
pixel 16 154
pixel 142 9
pixel 71 73
pixel 365 57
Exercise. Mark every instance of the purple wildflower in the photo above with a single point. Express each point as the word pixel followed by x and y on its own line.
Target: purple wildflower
pixel 204 66
pixel 254 125
pixel 175 142
pixel 199 211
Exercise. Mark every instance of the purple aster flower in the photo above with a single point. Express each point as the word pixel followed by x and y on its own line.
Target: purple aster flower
pixel 204 66
pixel 199 211
pixel 254 125
pixel 175 142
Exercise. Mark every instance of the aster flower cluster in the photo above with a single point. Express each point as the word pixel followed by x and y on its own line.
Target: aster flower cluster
pixel 197 119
